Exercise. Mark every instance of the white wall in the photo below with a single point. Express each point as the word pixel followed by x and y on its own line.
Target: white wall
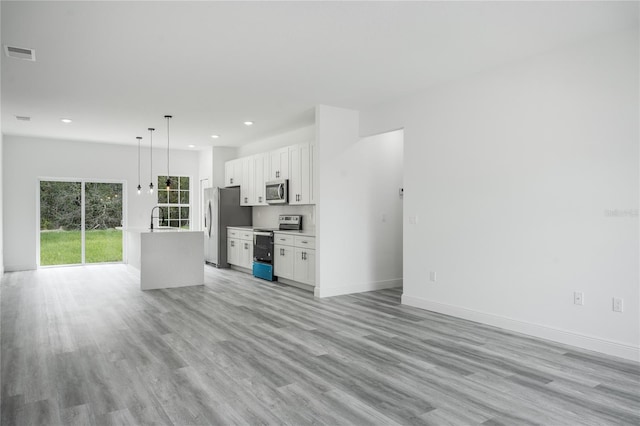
pixel 267 216
pixel 205 164
pixel 26 159
pixel 1 204
pixel 513 176
pixel 220 156
pixel 359 219
pixel 1 179
pixel 301 135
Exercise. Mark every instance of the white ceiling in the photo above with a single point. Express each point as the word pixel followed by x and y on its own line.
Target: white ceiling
pixel 116 68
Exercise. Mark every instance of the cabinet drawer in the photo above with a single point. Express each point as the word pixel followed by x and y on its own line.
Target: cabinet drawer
pixel 283 239
pixel 246 235
pixel 308 242
pixel 233 233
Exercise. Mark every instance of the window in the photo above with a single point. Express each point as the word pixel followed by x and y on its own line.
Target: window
pixel 80 222
pixel 175 202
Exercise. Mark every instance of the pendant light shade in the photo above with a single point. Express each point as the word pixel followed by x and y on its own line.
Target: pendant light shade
pixel 168 117
pixel 151 129
pixel 139 187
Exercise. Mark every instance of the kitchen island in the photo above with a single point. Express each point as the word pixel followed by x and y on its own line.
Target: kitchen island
pixel 166 257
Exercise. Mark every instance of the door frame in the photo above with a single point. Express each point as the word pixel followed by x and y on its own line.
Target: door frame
pixel 82 182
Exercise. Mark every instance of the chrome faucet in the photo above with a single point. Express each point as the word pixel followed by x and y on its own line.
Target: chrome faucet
pixel 158 217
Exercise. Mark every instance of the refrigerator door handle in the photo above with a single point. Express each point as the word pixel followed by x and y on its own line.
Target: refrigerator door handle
pixel 209 212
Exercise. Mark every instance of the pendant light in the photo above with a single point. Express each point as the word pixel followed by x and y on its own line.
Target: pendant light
pixel 168 117
pixel 139 187
pixel 151 129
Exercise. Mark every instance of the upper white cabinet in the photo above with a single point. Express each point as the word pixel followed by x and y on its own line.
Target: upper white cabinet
pixel 300 174
pixel 261 176
pixel 279 164
pixel 247 188
pixel 295 162
pixel 233 172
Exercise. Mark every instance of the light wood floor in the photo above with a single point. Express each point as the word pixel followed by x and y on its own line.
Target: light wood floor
pixel 85 346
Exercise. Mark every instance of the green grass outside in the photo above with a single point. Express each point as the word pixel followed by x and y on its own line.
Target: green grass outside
pixel 64 247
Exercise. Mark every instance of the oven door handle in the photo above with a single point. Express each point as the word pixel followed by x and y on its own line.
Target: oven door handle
pixel 263 234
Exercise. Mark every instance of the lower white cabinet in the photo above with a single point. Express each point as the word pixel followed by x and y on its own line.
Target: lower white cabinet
pixel 295 258
pixel 304 266
pixel 233 251
pixel 283 261
pixel 240 247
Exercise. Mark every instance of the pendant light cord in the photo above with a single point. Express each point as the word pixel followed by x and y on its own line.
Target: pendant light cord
pixel 139 139
pixel 168 117
pixel 151 129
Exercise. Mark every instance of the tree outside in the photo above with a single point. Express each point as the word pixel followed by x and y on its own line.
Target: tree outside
pixel 61 222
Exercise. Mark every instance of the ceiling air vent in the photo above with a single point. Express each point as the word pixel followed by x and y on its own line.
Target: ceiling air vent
pixel 20 53
pixel 23 118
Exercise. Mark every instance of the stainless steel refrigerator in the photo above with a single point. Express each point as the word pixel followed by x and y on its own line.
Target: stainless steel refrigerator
pixel 221 209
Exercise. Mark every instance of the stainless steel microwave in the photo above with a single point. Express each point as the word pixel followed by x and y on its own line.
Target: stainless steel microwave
pixel 277 191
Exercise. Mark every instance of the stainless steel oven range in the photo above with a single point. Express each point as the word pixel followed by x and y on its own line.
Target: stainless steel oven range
pixel 263 245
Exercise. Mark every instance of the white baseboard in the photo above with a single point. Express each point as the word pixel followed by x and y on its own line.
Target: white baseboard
pixel 554 334
pixel 357 288
pixel 17 268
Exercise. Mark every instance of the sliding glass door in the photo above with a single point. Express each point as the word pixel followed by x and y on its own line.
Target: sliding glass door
pixel 103 222
pixel 60 223
pixel 80 222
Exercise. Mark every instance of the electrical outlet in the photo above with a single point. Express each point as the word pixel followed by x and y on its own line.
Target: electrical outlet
pixel 413 219
pixel 578 298
pixel 432 276
pixel 618 304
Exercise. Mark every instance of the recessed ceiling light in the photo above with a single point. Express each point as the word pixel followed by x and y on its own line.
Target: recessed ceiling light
pixel 192 146
pixel 215 136
pixel 65 120
pixel 248 123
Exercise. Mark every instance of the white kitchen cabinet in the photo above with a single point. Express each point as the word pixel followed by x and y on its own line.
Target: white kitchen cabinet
pixel 304 266
pixel 246 254
pixel 233 251
pixel 233 172
pixel 279 164
pixel 240 247
pixel 247 187
pixel 300 174
pixel 283 261
pixel 261 176
pixel 295 257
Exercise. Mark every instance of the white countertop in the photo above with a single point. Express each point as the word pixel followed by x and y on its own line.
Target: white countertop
pixel 148 231
pixel 303 233
pixel 242 228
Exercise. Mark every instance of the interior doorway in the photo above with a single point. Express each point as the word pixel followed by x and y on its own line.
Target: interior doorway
pixel 80 222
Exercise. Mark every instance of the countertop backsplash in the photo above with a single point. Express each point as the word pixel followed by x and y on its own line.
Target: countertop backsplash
pixel 267 216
